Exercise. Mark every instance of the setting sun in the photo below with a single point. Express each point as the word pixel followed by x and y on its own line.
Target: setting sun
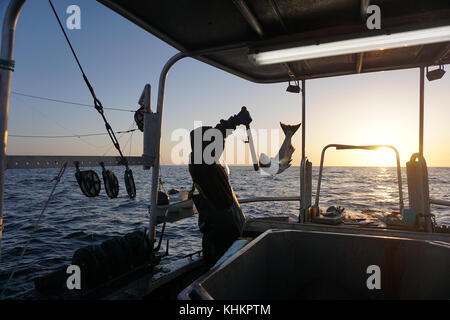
pixel 384 157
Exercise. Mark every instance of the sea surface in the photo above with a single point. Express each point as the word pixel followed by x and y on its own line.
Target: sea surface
pixel 72 221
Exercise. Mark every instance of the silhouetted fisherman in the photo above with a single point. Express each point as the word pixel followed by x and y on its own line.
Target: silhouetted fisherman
pixel 220 217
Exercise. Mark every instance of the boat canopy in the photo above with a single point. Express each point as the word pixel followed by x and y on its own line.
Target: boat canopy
pixel 223 33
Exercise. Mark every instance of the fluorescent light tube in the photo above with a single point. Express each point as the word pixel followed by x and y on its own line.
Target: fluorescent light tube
pixel 395 40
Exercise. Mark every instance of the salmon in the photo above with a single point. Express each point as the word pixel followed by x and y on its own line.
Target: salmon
pixel 283 159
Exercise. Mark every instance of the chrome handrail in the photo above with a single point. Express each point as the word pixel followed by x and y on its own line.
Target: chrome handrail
pixel 11 14
pixel 268 199
pixel 351 147
pixel 156 162
pixel 440 202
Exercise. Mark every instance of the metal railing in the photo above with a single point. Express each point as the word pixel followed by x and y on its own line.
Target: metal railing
pixel 440 202
pixel 268 199
pixel 350 147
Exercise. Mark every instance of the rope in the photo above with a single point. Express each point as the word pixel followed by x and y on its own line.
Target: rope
pixel 65 101
pixel 97 103
pixel 72 136
pixel 131 143
pixel 56 179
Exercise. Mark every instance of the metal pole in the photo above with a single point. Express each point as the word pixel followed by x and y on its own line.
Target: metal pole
pixel 251 143
pixel 7 65
pixel 155 174
pixel 149 151
pixel 422 99
pixel 319 181
pixel 303 120
pixel 303 182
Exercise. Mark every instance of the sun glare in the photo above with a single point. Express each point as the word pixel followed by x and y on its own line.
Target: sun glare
pixel 384 157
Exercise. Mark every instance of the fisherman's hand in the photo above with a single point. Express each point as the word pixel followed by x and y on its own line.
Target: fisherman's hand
pixel 243 117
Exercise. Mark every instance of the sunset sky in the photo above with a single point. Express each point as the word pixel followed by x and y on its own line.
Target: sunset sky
pixel 120 58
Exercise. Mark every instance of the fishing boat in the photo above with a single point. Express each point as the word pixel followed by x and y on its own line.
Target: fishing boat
pixel 317 256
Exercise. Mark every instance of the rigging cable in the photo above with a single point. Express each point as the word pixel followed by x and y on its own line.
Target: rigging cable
pixel 66 102
pixel 129 179
pixel 119 138
pixel 129 142
pixel 97 103
pixel 72 136
pixel 51 119
pixel 57 179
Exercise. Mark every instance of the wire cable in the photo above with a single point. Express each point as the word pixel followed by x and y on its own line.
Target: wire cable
pixel 66 102
pixel 97 103
pixel 57 123
pixel 72 136
pixel 120 137
pixel 52 120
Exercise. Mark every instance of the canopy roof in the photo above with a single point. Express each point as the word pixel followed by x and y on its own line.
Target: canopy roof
pixel 223 32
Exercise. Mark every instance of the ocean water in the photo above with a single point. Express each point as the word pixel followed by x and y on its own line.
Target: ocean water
pixel 73 221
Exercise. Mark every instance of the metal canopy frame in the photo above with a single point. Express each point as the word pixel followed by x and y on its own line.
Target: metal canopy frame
pixel 155 173
pixel 208 36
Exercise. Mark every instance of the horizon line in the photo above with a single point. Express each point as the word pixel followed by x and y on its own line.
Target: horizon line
pixel 297 166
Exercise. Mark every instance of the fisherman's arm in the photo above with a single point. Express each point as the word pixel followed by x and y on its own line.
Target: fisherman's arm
pixel 227 126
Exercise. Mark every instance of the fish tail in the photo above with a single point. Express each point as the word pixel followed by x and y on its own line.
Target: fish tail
pixel 290 128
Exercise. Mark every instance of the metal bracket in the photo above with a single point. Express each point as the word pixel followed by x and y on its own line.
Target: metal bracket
pixel 34 162
pixel 7 64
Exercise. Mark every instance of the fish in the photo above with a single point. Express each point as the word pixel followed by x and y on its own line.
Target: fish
pixel 283 159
